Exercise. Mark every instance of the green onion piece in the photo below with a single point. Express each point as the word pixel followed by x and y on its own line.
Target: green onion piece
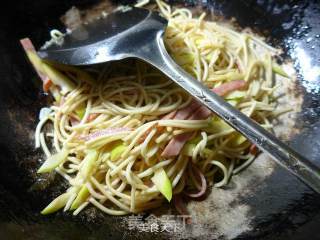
pixel 117 151
pixel 209 56
pixel 188 149
pixel 35 60
pixel 238 140
pixel 277 69
pixel 80 111
pixel 236 95
pixel 230 76
pixel 81 197
pixel 233 102
pixel 208 152
pixel 184 58
pixel 55 93
pixel 58 78
pixel 163 184
pixel 54 161
pixel 81 75
pixel 89 163
pixel 195 140
pixel 54 75
pixel 219 125
pixel 199 40
pixel 57 203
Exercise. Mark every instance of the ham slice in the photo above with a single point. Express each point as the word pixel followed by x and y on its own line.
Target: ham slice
pixel 185 112
pixel 229 87
pixel 27 45
pixel 195 111
pixel 169 115
pixel 175 145
pixel 106 132
pixel 201 113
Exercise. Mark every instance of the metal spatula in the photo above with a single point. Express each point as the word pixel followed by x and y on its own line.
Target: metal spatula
pixel 138 33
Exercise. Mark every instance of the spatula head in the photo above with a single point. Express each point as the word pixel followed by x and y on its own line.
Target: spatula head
pixel 119 35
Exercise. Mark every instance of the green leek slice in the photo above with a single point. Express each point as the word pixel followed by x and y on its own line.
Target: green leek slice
pixel 80 111
pixel 162 183
pixel 208 152
pixel 277 69
pixel 35 60
pixel 233 102
pixel 117 151
pixel 58 78
pixel 238 140
pixel 89 163
pixel 188 149
pixel 235 95
pixel 81 197
pixel 57 203
pixel 80 74
pixel 195 140
pixel 184 58
pixel 219 126
pixel 54 161
pixel 55 93
pixel 54 75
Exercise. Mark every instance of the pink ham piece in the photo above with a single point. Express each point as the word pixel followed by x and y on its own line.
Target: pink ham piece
pixel 229 87
pixel 195 111
pixel 175 145
pixel 201 113
pixel 170 115
pixel 105 132
pixel 185 112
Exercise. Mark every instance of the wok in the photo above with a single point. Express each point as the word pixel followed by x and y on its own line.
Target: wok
pixel 271 206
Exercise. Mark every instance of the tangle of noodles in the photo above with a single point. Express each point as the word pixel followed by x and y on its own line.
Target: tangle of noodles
pixel 122 117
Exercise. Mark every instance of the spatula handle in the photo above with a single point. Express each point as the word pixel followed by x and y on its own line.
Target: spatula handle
pixel 303 168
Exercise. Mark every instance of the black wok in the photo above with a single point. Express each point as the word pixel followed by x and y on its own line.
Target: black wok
pixel 280 208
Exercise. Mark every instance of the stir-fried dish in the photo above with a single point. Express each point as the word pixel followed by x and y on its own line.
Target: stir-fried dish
pixel 127 139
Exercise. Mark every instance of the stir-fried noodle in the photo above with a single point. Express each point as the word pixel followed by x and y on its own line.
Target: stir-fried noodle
pixel 126 138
